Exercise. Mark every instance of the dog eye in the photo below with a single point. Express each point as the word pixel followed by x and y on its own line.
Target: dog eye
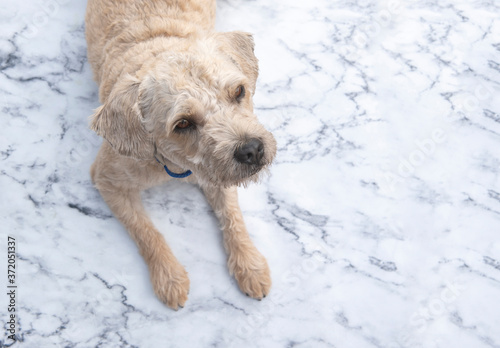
pixel 239 93
pixel 183 124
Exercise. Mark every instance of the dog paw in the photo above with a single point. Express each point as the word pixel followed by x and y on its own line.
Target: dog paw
pixel 171 284
pixel 252 274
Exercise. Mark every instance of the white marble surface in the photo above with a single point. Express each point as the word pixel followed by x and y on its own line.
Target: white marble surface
pixel 380 220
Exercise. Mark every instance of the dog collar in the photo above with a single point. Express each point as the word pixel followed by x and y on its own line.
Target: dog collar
pixel 172 174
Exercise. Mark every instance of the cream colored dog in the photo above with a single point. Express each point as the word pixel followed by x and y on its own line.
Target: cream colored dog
pixel 177 98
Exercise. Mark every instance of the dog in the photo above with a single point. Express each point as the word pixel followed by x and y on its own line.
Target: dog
pixel 176 103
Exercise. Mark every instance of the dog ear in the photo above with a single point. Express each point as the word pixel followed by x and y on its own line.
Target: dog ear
pixel 240 47
pixel 120 121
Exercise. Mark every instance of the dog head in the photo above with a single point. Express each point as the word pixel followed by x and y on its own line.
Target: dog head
pixel 193 106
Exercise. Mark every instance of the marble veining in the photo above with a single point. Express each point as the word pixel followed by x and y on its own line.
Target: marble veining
pixel 380 219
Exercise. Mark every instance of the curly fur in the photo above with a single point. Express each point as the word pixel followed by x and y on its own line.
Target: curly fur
pixel 157 62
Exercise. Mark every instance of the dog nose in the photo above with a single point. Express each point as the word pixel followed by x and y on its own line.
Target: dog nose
pixel 251 152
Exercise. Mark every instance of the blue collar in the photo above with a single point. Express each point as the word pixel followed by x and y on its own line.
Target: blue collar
pixel 175 175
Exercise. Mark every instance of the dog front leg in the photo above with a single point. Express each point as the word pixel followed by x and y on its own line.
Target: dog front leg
pixel 168 276
pixel 245 262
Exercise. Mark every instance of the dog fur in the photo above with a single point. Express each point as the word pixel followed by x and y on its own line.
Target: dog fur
pixel 157 63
